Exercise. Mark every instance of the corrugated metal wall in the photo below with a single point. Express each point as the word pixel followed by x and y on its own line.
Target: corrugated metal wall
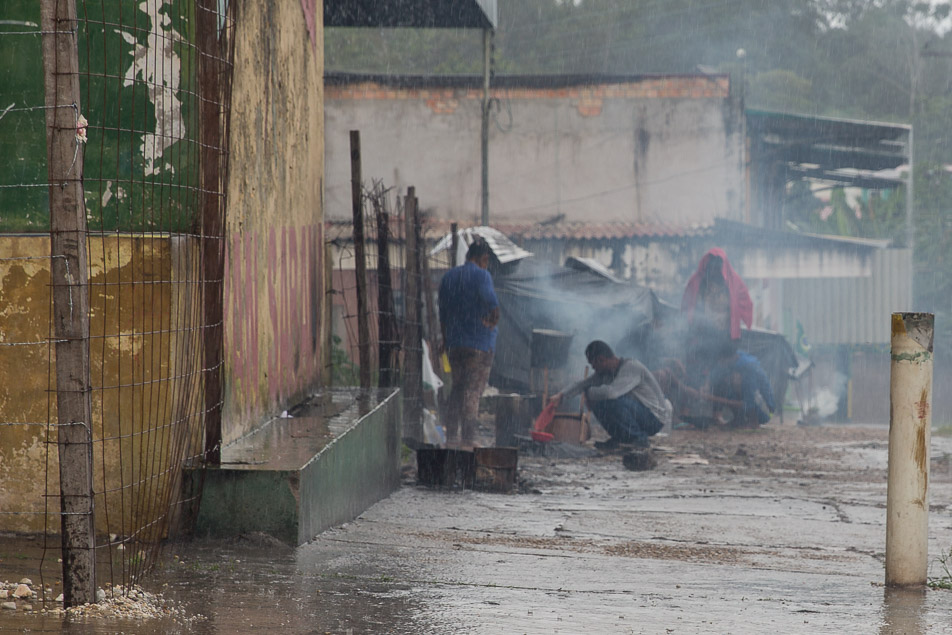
pixel 851 310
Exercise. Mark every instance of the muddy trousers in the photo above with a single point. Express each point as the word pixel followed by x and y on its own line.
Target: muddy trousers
pixel 625 419
pixel 470 372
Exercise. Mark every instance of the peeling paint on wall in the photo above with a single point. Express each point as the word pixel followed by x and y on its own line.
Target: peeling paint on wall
pixel 143 323
pixel 157 63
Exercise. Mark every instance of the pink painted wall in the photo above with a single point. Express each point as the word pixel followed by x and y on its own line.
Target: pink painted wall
pixel 273 302
pixel 274 273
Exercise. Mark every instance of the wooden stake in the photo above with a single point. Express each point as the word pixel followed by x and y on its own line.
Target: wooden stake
pixel 360 268
pixel 213 235
pixel 386 320
pixel 454 244
pixel 413 336
pixel 70 300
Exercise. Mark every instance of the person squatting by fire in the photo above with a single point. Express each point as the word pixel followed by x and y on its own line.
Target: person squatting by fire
pixel 623 395
pixel 469 313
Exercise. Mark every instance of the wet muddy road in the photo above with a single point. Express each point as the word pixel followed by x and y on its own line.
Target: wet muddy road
pixel 780 529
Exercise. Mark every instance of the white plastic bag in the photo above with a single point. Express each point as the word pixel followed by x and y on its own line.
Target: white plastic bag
pixel 433 433
pixel 431 381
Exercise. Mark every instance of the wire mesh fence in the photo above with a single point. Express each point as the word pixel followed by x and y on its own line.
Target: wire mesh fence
pixel 399 298
pixel 149 170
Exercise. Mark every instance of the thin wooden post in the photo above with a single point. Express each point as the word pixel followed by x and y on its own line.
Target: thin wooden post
pixel 432 324
pixel 419 265
pixel 454 244
pixel 70 299
pixel 412 340
pixel 386 326
pixel 360 265
pixel 328 376
pixel 910 422
pixel 213 238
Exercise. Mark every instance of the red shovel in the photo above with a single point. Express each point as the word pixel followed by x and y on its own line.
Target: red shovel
pixel 541 423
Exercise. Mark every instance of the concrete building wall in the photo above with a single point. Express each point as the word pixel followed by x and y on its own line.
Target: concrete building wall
pixel 656 149
pixel 274 280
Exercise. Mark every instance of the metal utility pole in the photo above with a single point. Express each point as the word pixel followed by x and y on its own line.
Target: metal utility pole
pixel 910 422
pixel 65 133
pixel 910 200
pixel 484 131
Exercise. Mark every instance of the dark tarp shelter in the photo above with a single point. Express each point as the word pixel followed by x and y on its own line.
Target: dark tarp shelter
pixel 535 294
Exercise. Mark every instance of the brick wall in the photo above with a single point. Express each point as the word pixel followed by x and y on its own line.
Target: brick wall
pixel 588 99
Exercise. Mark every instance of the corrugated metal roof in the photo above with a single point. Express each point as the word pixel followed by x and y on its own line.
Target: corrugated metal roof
pixel 537 81
pixel 504 249
pixel 590 264
pixel 447 14
pixel 602 231
pixel 843 151
pixel 560 231
pixel 852 310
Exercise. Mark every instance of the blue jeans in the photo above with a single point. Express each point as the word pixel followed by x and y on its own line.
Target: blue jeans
pixel 625 419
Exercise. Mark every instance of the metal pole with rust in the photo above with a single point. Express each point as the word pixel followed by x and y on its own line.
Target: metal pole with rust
pixel 910 420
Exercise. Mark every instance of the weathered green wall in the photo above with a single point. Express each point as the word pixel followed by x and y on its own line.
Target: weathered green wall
pixel 137 90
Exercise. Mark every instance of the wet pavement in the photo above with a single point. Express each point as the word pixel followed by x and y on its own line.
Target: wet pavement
pixel 783 529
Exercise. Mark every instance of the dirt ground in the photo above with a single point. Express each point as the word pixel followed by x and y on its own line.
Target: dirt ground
pixel 734 531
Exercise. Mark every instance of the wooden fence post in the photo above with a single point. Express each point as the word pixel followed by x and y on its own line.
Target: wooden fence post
pixel 386 321
pixel 213 235
pixel 360 262
pixel 412 339
pixel 454 244
pixel 65 132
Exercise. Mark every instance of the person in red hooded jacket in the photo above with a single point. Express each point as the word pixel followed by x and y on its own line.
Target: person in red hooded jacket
pixel 717 297
pixel 715 303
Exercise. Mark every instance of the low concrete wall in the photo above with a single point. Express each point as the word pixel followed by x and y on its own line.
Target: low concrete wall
pixel 350 473
pixel 353 472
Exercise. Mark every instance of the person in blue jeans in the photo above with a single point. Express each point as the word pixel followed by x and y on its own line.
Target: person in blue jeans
pixel 623 395
pixel 738 376
pixel 469 312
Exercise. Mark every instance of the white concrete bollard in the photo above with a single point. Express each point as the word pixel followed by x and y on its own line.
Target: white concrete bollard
pixel 910 421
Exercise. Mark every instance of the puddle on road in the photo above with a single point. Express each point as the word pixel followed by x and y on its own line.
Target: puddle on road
pixel 244 586
pixel 903 611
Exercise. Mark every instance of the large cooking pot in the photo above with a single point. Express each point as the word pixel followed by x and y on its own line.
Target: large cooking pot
pixel 550 349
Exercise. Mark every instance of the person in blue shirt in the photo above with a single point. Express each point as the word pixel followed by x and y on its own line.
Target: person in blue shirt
pixel 469 312
pixel 738 376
